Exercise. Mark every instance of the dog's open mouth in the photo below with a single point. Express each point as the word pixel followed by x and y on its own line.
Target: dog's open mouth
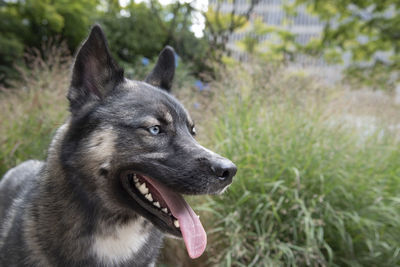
pixel 170 207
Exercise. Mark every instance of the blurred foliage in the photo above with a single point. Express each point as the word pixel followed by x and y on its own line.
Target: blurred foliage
pixel 29 23
pixel 368 30
pixel 280 47
pixel 220 25
pixel 134 31
pixel 365 33
pixel 142 30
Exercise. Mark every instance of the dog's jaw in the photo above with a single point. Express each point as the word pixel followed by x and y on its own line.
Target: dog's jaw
pixel 170 208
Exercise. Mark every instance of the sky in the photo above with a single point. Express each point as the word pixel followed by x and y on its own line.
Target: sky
pixel 198 19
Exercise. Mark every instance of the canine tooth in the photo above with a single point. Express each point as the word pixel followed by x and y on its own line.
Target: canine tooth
pixel 157 204
pixel 137 184
pixel 176 223
pixel 165 210
pixel 135 178
pixel 143 189
pixel 149 197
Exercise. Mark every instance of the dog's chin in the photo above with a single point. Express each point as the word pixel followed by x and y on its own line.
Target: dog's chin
pixel 153 206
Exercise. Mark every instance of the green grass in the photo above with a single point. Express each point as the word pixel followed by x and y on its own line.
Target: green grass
pixel 308 192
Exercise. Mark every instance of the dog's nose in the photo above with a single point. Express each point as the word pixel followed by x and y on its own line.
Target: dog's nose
pixel 224 169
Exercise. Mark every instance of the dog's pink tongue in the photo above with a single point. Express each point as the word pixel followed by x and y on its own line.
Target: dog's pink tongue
pixel 192 230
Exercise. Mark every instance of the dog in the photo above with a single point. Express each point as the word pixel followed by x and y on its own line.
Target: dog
pixel 112 184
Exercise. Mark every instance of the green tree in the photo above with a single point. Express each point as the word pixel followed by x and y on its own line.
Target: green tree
pixel 29 23
pixel 143 29
pixel 281 45
pixel 368 30
pixel 134 31
pixel 221 25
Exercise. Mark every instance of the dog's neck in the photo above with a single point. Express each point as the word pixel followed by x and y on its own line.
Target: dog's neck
pixel 65 221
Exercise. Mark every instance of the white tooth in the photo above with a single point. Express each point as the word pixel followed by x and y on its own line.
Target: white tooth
pixel 176 223
pixel 135 178
pixel 149 197
pixel 143 189
pixel 165 210
pixel 198 216
pixel 157 204
pixel 137 184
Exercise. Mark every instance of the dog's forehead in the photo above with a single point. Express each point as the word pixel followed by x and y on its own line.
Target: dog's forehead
pixel 153 99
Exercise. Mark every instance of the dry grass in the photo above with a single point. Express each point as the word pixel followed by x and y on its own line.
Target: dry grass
pixel 34 107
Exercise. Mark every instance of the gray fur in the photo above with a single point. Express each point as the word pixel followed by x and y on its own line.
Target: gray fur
pixel 74 209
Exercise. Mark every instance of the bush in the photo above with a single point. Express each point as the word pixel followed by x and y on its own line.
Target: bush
pixel 309 190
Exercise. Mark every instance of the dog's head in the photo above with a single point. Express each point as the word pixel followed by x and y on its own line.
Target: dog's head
pixel 135 143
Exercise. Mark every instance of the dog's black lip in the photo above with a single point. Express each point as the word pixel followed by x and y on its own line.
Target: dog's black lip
pixel 144 203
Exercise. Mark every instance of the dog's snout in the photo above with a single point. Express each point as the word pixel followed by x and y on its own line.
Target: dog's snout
pixel 224 169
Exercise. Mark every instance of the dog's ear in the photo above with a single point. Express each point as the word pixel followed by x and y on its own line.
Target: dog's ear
pixel 95 73
pixel 164 70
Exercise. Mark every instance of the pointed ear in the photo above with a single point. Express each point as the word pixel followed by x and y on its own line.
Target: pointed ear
pixel 164 70
pixel 95 73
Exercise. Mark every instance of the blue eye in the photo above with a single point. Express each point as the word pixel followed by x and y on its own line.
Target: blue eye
pixel 154 130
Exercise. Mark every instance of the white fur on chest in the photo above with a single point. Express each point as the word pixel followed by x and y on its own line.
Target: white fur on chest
pixel 122 243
